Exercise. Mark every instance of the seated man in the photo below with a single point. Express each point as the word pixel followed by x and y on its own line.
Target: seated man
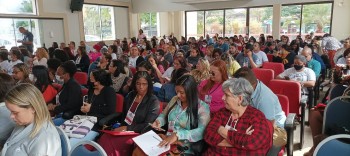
pixel 311 63
pixel 238 129
pixel 299 73
pixel 267 102
pixel 247 58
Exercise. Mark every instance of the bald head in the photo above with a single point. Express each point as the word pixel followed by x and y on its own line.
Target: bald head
pixel 307 52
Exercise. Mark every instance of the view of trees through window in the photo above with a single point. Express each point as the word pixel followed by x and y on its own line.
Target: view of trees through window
pixel 149 24
pixel 299 19
pixel 9 33
pixel 304 19
pixel 98 22
pixel 17 7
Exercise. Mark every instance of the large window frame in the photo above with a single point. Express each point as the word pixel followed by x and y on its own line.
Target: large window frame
pixel 301 33
pixel 248 16
pixel 147 26
pixel 100 28
pixel 10 8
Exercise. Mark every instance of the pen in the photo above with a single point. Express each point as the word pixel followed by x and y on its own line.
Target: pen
pixel 157 139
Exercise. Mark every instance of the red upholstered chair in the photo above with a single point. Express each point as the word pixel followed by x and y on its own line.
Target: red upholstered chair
pixel 278 68
pixel 81 78
pixel 269 57
pixel 160 107
pixel 120 103
pixel 57 86
pixel 264 75
pixel 292 90
pixel 84 91
pixel 288 125
pixel 133 70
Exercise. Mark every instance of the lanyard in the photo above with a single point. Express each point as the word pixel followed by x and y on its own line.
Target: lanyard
pixel 133 102
pixel 234 127
pixel 178 115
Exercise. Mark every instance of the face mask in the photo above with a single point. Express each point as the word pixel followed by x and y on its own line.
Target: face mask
pixel 204 45
pixel 298 67
pixel 9 57
pixel 59 80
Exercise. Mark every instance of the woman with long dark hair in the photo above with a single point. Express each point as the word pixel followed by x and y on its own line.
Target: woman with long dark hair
pixel 42 81
pixel 82 60
pixel 118 75
pixel 186 115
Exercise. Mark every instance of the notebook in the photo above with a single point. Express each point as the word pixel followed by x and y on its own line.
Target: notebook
pixel 149 141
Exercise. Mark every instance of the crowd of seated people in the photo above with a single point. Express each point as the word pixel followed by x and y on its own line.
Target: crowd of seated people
pixel 206 87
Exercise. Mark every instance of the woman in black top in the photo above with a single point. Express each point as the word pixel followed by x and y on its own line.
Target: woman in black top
pixel 140 105
pixel 101 102
pixel 82 60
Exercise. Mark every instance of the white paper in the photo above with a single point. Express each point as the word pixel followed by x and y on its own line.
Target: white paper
pixel 149 142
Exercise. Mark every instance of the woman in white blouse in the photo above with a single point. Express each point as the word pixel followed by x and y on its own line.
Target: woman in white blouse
pixel 41 57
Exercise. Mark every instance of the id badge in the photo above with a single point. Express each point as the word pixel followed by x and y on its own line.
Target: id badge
pixel 229 128
pixel 58 99
pixel 207 99
pixel 129 117
pixel 171 127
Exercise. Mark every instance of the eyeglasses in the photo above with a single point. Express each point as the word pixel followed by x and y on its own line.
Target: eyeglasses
pixel 15 72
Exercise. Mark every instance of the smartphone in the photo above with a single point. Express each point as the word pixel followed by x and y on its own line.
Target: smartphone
pixel 85 99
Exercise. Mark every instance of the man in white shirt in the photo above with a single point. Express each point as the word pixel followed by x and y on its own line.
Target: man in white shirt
pixel 261 56
pixel 299 73
pixel 134 55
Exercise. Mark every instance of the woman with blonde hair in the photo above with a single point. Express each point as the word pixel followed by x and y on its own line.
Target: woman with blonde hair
pixel 34 133
pixel 231 64
pixel 41 57
pixel 21 73
pixel 202 70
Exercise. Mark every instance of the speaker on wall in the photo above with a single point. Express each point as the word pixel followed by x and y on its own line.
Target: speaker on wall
pixel 76 5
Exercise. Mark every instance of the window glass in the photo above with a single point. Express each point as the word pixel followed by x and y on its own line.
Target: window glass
pixel 290 21
pixel 214 22
pixel 149 24
pixel 17 7
pixel 98 22
pixel 260 21
pixel 195 24
pixel 317 19
pixel 235 22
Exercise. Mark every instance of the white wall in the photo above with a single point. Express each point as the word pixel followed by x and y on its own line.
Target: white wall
pixel 62 6
pixel 341 19
pixel 52 31
pixel 122 24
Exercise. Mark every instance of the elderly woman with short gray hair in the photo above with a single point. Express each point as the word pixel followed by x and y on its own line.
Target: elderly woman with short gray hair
pixel 238 129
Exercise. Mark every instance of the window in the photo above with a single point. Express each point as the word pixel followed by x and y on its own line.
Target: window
pixel 195 24
pixel 290 21
pixel 235 22
pixel 9 33
pixel 17 7
pixel 214 22
pixel 98 22
pixel 149 24
pixel 316 18
pixel 260 21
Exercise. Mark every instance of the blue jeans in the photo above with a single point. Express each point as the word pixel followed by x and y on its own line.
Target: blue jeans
pixel 89 137
pixel 58 120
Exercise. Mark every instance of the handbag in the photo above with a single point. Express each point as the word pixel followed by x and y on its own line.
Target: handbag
pixel 79 126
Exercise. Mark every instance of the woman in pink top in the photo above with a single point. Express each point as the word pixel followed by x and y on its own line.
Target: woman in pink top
pixel 210 90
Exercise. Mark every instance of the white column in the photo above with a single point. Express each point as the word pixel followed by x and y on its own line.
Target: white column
pixel 276 22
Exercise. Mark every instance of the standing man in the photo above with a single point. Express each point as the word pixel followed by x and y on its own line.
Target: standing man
pixel 27 40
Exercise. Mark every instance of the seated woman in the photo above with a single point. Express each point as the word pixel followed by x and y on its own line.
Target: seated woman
pixel 101 102
pixel 299 73
pixel 238 129
pixel 186 115
pixel 7 125
pixel 157 65
pixel 167 91
pixel 41 57
pixel 21 73
pixel 179 62
pixel 82 60
pixel 118 75
pixel 209 90
pixel 42 81
pixel 202 70
pixel 231 64
pixel 34 133
pixel 140 105
pixel 69 98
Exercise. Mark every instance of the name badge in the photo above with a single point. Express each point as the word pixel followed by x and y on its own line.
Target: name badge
pixel 171 127
pixel 129 117
pixel 207 99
